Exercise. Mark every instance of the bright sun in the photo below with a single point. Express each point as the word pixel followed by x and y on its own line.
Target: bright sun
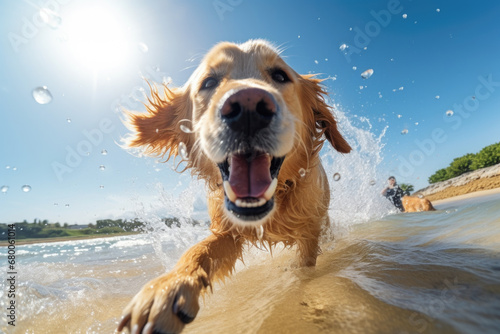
pixel 97 38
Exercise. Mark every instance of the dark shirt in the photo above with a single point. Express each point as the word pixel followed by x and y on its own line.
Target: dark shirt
pixel 394 195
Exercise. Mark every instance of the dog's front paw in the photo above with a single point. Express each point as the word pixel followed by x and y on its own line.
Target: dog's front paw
pixel 165 304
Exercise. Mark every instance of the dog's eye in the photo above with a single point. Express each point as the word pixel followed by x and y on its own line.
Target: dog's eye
pixel 279 76
pixel 209 82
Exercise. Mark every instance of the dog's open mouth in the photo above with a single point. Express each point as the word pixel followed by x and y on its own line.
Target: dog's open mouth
pixel 250 182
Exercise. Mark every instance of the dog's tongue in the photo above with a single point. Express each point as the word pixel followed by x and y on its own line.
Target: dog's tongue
pixel 250 178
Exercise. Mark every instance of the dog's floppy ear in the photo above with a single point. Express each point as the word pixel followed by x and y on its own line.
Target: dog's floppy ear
pixel 158 131
pixel 314 96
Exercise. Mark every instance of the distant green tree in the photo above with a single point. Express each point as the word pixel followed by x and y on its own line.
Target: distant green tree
pixel 57 225
pixel 438 176
pixel 488 156
pixel 460 166
pixel 407 188
pixel 66 225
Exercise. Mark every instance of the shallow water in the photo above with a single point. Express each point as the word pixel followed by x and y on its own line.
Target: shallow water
pixel 404 273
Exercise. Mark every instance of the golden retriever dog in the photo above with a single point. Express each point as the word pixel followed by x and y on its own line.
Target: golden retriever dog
pixel 256 128
pixel 416 204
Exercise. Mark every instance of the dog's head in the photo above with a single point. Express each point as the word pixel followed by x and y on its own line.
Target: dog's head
pixel 248 113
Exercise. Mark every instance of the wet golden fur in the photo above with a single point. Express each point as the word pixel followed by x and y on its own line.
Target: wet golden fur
pixel 301 203
pixel 416 204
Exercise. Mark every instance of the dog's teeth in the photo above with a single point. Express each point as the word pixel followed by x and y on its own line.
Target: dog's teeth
pixel 261 202
pixel 240 203
pixel 270 191
pixel 229 192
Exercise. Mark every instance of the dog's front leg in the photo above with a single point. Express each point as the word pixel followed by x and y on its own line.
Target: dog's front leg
pixel 168 302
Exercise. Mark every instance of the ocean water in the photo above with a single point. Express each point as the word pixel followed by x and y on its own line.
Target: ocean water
pixel 380 271
pixel 428 272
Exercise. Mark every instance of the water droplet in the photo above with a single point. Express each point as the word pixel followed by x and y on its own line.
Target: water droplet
pixel 343 47
pixel 42 95
pixel 4 189
pixel 298 36
pixel 183 151
pixel 101 187
pixel 438 10
pixel 405 131
pixel 420 196
pixel 366 74
pixel 26 188
pixel 392 59
pixel 56 204
pixel 361 87
pixel 156 130
pixel 336 177
pixel 68 120
pixel 401 88
pixel 354 68
pixel 143 47
pixel 185 129
pixel 449 113
pixel 372 182
pixel 260 232
pixel 50 18
pixel 437 97
pixel 102 167
pixel 405 16
pixel 399 116
pixel 473 97
pixel 302 172
pixel 66 205
pixel 14 168
pixel 7 167
pixel 416 123
pixel 104 152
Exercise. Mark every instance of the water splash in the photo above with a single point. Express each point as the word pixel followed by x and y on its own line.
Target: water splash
pixel 354 198
pixel 183 151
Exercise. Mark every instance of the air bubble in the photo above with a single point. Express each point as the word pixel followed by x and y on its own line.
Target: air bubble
pixel 336 177
pixel 366 74
pixel 302 172
pixel 50 18
pixel 185 129
pixel 4 189
pixel 183 151
pixel 143 47
pixel 449 113
pixel 42 95
pixel 26 188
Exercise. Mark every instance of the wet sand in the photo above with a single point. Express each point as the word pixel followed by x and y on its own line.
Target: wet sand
pixel 475 188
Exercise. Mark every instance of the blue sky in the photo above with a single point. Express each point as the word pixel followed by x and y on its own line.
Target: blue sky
pixel 93 61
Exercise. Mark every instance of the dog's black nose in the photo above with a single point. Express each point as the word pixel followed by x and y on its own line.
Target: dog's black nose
pixel 249 110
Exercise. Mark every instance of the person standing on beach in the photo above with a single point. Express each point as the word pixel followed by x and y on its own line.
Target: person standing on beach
pixel 394 193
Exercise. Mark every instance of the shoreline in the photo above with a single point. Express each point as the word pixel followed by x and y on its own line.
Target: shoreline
pixel 31 241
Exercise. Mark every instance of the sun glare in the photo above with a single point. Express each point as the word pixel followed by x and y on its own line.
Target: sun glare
pixel 97 39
